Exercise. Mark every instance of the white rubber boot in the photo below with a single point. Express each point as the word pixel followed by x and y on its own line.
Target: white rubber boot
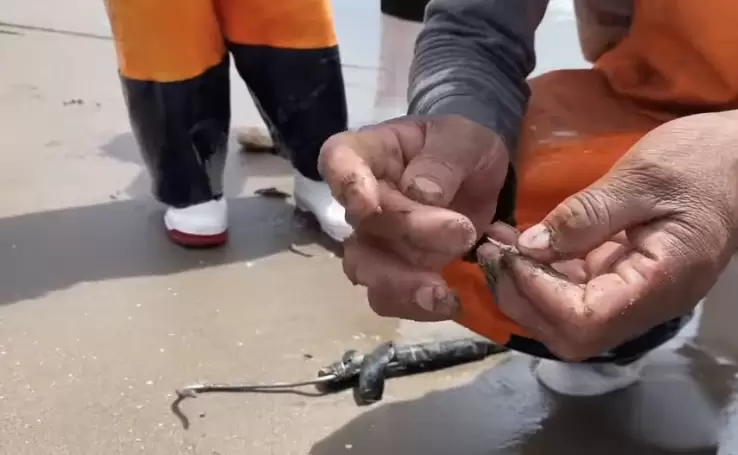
pixel 200 225
pixel 580 379
pixel 316 198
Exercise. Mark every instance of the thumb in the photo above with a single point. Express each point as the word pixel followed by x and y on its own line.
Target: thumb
pixel 454 148
pixel 431 179
pixel 589 218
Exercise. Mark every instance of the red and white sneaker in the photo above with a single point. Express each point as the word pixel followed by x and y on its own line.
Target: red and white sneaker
pixel 200 225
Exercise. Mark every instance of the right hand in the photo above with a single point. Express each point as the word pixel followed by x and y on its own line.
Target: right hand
pixel 419 191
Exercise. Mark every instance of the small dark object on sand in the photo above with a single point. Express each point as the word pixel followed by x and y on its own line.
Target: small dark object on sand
pixel 76 101
pixel 256 140
pixel 272 192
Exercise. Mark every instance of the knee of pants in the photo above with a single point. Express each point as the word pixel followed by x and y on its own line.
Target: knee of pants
pixel 164 40
pixel 286 24
pixel 575 130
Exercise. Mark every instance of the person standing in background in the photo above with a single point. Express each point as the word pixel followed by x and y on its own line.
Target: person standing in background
pixel 408 10
pixel 174 64
pixel 400 21
pixel 400 24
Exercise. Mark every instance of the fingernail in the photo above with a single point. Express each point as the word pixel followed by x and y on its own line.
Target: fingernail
pixel 447 302
pixel 490 271
pixel 489 262
pixel 537 237
pixel 437 299
pixel 426 189
pixel 424 298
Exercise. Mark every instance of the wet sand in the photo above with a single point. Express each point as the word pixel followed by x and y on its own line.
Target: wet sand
pixel 101 318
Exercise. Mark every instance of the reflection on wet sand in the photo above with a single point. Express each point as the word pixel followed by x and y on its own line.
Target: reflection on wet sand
pixel 676 409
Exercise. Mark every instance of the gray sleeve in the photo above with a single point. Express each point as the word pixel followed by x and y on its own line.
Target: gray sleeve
pixel 472 58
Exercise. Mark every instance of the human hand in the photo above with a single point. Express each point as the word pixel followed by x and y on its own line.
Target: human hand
pixel 641 246
pixel 417 190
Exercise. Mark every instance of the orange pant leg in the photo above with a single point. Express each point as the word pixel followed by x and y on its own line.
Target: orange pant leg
pixel 165 40
pixel 574 131
pixel 285 24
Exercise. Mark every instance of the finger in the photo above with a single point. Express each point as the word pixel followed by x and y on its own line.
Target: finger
pixel 621 238
pixel 503 232
pixel 601 259
pixel 646 286
pixel 349 175
pixel 381 300
pixel 557 300
pixel 508 298
pixel 394 288
pixel 589 218
pixel 422 235
pixel 574 269
pixel 598 261
pixel 353 162
pixel 435 175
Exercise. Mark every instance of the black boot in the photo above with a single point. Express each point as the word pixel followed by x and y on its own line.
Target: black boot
pixel 409 10
pixel 182 131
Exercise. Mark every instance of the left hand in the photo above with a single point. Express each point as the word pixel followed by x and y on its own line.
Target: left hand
pixel 417 190
pixel 641 246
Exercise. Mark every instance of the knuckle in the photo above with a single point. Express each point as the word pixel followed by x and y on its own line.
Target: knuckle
pixel 651 183
pixel 330 146
pixel 383 302
pixel 584 208
pixel 350 270
pixel 452 133
pixel 337 139
pixel 351 261
pixel 379 306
